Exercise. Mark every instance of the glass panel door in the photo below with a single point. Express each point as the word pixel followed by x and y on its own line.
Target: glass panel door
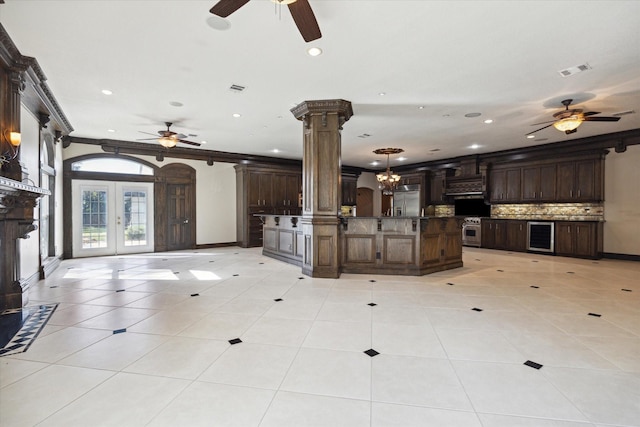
pixel 135 218
pixel 112 218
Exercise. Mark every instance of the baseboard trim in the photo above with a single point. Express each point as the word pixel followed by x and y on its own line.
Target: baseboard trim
pixel 216 245
pixel 49 266
pixel 624 257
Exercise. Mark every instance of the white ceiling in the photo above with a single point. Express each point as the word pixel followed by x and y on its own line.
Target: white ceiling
pixel 498 58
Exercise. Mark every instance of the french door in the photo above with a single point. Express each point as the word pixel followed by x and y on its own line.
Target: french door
pixel 111 218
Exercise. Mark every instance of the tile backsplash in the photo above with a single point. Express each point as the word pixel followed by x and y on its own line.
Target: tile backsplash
pixel 550 211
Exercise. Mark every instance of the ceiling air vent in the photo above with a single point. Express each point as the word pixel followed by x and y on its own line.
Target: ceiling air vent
pixel 623 113
pixel 574 70
pixel 236 88
pixel 364 135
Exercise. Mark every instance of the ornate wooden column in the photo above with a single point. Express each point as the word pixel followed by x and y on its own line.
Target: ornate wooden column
pixel 321 183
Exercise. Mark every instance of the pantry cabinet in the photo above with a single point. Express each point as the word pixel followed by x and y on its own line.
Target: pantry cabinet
pixel 263 190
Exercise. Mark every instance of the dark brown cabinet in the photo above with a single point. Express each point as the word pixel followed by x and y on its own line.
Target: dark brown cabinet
pixel 505 185
pixel 286 188
pixel 494 233
pixel 539 183
pixel 437 186
pixel 580 180
pixel 349 189
pixel 516 239
pixel 262 190
pixel 578 239
pixel 510 235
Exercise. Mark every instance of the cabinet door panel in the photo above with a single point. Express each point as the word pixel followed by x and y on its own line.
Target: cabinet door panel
pixel 530 183
pixel 266 189
pixel 547 190
pixel 280 190
pixel 565 180
pixel 498 182
pixel 585 180
pixel 513 185
pixel 584 239
pixel 564 238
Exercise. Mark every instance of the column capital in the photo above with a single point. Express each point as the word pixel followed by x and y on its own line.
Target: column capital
pixel 326 106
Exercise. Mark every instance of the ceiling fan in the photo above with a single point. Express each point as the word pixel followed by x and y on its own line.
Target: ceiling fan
pixel 300 11
pixel 169 138
pixel 568 120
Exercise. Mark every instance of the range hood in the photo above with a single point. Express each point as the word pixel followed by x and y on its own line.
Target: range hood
pixel 457 186
pixel 470 181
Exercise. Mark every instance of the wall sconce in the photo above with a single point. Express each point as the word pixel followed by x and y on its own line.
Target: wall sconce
pixel 15 138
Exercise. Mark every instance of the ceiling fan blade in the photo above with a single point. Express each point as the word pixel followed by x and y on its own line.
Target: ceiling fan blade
pixel 225 8
pixel 601 119
pixel 590 113
pixel 540 129
pixel 184 141
pixel 543 123
pixel 305 20
pixel 148 139
pixel 147 133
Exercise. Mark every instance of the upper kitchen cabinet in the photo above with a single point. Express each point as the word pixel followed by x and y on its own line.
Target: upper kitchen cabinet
pixel 349 189
pixel 438 185
pixel 286 188
pixel 260 189
pixel 580 180
pixel 539 183
pixel 504 185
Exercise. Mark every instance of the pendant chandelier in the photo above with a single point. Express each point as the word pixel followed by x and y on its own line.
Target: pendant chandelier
pixel 388 181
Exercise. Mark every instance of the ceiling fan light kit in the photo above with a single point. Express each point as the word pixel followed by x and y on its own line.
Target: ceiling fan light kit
pixel 168 141
pixel 568 124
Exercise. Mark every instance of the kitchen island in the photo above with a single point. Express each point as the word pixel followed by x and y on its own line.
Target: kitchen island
pixel 411 246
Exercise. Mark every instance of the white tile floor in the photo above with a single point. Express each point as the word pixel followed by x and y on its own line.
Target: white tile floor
pixel 301 361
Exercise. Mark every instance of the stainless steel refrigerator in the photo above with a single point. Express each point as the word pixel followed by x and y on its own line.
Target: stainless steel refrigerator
pixel 406 201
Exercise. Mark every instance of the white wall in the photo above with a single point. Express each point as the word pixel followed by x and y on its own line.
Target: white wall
pixel 30 157
pixel 622 202
pixel 215 194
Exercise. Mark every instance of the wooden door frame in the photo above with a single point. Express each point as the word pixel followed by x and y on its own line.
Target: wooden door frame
pixel 172 174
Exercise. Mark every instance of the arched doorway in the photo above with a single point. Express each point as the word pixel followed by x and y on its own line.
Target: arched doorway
pixel 364 202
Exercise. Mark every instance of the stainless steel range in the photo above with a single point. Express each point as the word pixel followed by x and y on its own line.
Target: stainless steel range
pixel 472 232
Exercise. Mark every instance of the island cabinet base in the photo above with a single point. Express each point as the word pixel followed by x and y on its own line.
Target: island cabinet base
pixel 401 246
pixel 387 245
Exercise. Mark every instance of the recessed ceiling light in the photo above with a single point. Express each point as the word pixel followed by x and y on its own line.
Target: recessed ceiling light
pixel 236 115
pixel 111 130
pixel 107 92
pixel 488 121
pixel 176 104
pixel 474 146
pixel 382 93
pixel 469 115
pixel 374 163
pixel 401 159
pixel 530 136
pixel 203 142
pixel 314 51
pixel 275 150
pixel 218 23
pixel 421 107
